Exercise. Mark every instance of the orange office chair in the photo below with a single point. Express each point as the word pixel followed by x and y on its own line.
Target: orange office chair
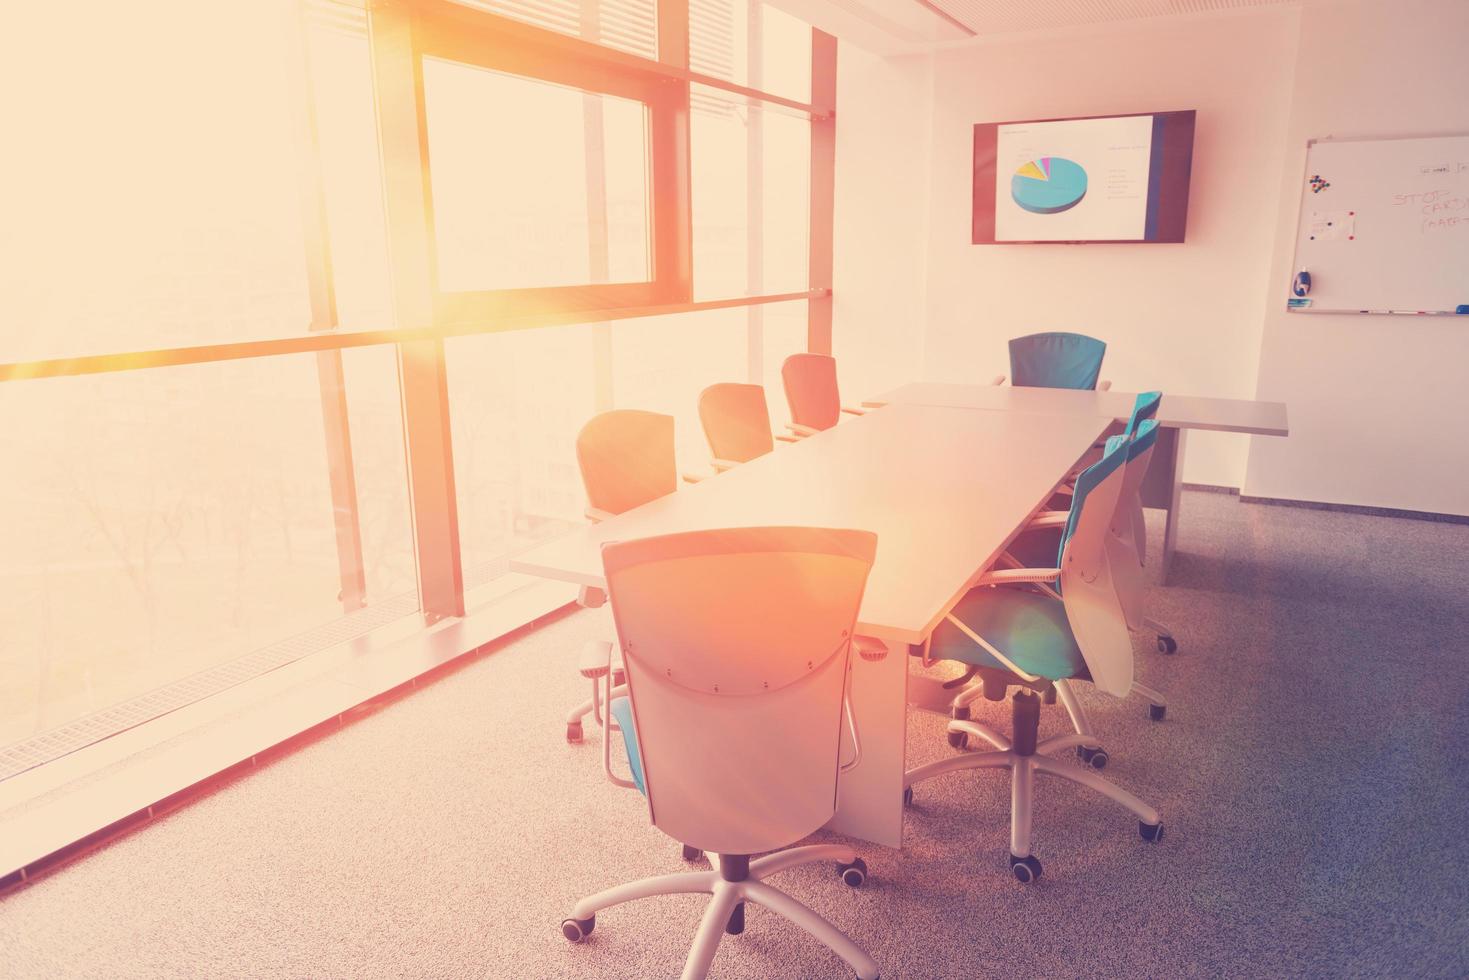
pixel 626 459
pixel 811 392
pixel 736 423
pixel 738 644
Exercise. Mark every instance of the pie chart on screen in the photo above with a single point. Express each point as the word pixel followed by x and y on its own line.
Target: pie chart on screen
pixel 1048 185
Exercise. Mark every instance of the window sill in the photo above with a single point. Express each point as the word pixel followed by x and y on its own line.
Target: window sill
pixel 58 811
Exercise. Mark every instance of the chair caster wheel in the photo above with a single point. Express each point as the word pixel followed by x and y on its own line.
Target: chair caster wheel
pixel 1157 711
pixel 1150 831
pixel 959 740
pixel 1026 869
pixel 692 853
pixel 907 795
pixel 573 732
pixel 1167 644
pixel 1095 758
pixel 854 874
pixel 960 713
pixel 576 930
pixel 736 923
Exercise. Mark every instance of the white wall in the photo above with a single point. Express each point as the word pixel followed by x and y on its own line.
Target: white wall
pixel 1379 406
pixel 1184 318
pixel 883 117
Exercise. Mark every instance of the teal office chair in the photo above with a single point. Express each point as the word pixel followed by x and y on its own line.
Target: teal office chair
pixel 1057 360
pixel 1127 545
pixel 1141 433
pixel 1040 642
pixel 738 647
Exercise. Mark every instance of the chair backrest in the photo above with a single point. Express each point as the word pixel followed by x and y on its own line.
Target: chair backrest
pixel 1127 537
pixel 736 643
pixel 736 421
pixel 626 459
pixel 1056 360
pixel 1092 606
pixel 811 390
pixel 1144 407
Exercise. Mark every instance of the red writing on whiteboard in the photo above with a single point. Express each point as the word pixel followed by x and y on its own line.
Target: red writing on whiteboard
pixel 1438 224
pixel 1432 202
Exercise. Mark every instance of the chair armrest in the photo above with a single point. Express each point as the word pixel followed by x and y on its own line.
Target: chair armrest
pixel 853 410
pixel 596 658
pixel 1050 518
pixel 722 465
pixel 1104 386
pixel 1016 576
pixel 870 648
pixel 689 477
pixel 598 516
pixel 999 379
pixel 782 437
pixel 801 430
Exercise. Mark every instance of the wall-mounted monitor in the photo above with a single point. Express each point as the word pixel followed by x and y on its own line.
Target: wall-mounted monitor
pixel 1088 179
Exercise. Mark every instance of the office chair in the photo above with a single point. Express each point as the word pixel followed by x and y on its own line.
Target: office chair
pixel 736 423
pixel 1040 642
pixel 737 645
pixel 1129 524
pixel 811 392
pixel 1042 540
pixel 1056 360
pixel 1127 542
pixel 626 459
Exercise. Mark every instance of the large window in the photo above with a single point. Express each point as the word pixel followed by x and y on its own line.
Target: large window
pixel 306 301
pixel 513 205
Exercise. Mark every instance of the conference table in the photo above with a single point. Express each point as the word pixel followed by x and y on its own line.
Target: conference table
pixel 1177 414
pixel 945 488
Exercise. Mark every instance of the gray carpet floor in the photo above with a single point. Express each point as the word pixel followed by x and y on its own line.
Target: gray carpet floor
pixel 1313 772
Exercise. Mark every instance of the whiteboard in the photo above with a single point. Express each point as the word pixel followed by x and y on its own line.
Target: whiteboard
pixel 1384 226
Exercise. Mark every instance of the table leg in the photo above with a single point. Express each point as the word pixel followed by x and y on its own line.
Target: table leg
pixel 870 796
pixel 1162 488
pixel 1170 528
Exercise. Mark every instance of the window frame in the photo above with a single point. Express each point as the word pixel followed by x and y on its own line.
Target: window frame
pixel 450 32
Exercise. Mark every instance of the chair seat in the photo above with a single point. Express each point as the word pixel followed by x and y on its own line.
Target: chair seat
pixel 1029 628
pixel 621 712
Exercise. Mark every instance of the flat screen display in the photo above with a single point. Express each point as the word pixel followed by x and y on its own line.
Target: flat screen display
pixel 1089 179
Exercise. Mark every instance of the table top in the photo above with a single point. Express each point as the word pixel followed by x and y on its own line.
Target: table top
pixel 1176 411
pixel 945 490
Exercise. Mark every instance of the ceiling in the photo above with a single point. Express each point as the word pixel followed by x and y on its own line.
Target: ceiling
pixel 982 17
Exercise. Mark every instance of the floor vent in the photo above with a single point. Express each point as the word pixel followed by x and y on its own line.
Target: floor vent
pixel 89 729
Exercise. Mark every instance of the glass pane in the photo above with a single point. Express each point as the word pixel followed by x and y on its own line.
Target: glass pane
pixel 755 45
pixel 162 523
pixel 628 25
pixel 160 204
pixel 661 363
pixel 784 335
pixel 751 197
pixel 534 184
pixel 516 403
pixel 346 126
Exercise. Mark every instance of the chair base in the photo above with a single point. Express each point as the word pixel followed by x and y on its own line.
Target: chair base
pixel 593 706
pixel 1166 643
pixel 738 880
pixel 1025 758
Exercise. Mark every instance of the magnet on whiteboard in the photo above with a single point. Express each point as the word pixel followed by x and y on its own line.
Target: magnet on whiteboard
pixel 1302 284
